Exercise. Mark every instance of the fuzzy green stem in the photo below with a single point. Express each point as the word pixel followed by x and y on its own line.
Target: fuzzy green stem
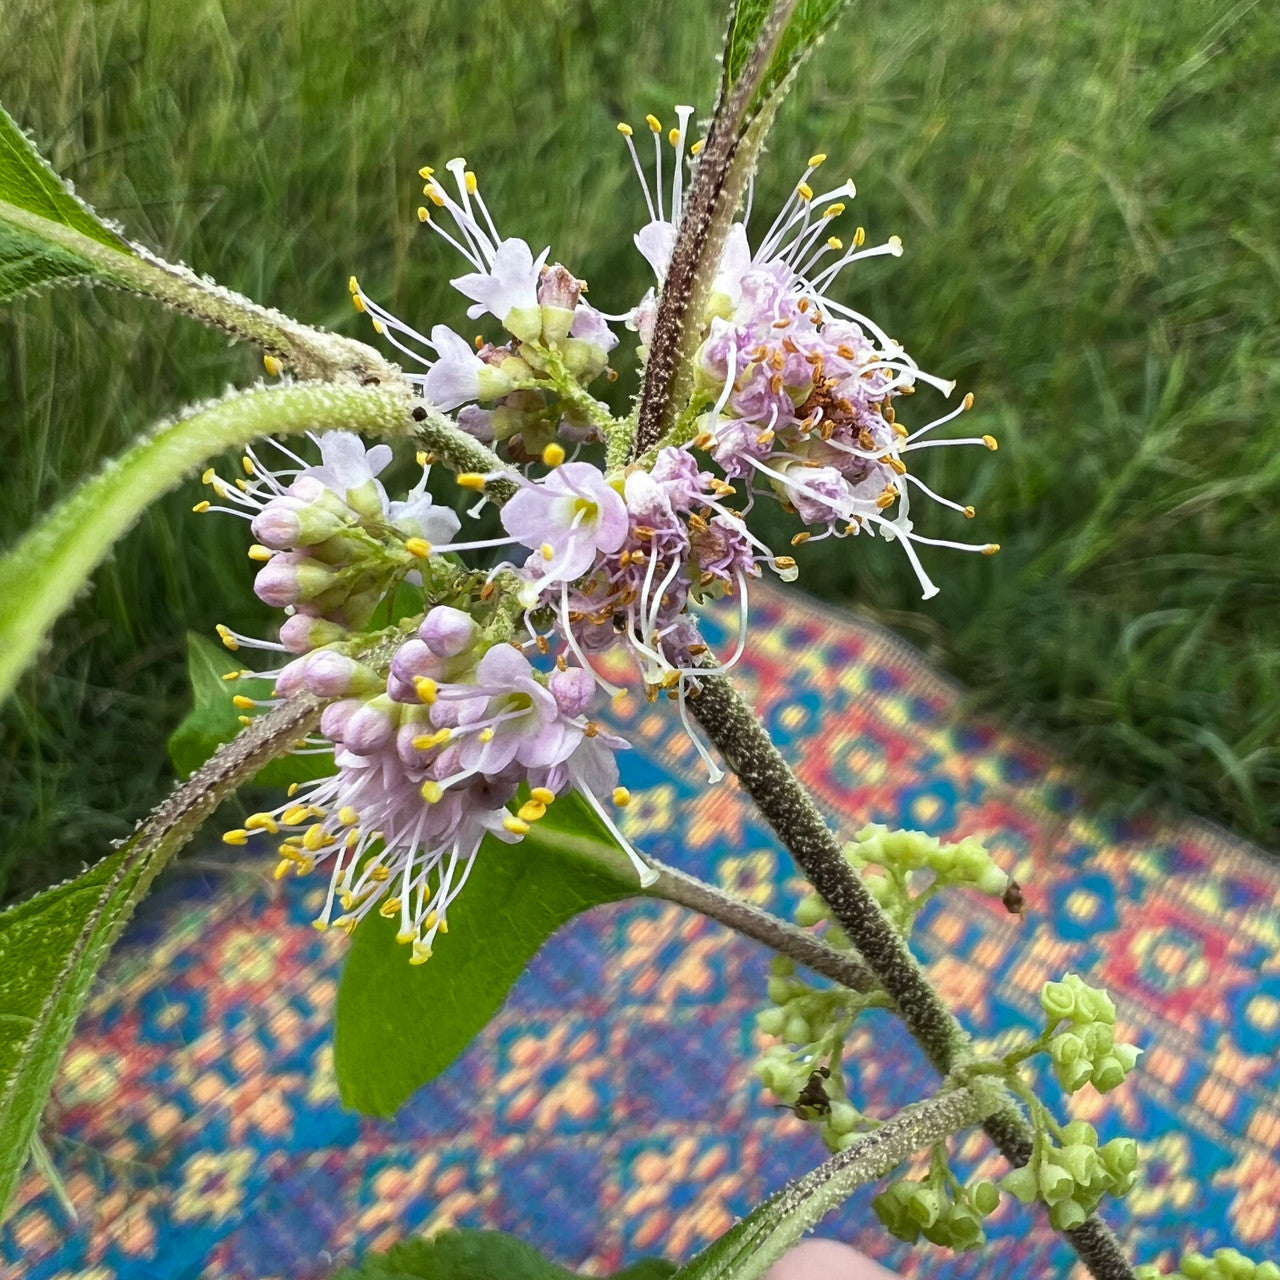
pixel 747 1251
pixel 749 751
pixel 309 352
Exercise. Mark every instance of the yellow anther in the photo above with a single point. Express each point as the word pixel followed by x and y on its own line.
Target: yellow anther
pixel 358 302
pixel 380 873
pixel 419 547
pixel 282 868
pixel 431 791
pixel 404 936
pixel 293 789
pixel 621 797
pixel 470 480
pixel 245 704
pixel 432 192
pixel 247 463
pixel 887 498
pixel 421 953
pixel 259 553
pixel 697 146
pixel 424 214
pixel 241 485
pixel 654 123
pixel 348 816
pixel 543 795
pixel 553 454
pixel 834 242
pixel 816 160
pixel 897 466
pixel 425 172
pixel 245 720
pixel 991 548
pixel 237 835
pixel 353 284
pixel 800 538
pixel 469 181
pixel 785 562
pixel 429 920
pixel 968 400
pixel 422 458
pixel 625 129
pixel 517 826
pixel 315 838
pixel 208 476
pixel 833 210
pixel 390 908
pixel 378 327
pixel 804 191
pixel 261 822
pixel 320 924
pixel 426 689
pixel 673 137
pixel 859 237
pixel 201 507
pixel 486 735
pixel 991 442
pixel 232 675
pixel 296 816
pixel 531 811
pixel 548 551
pixel 272 365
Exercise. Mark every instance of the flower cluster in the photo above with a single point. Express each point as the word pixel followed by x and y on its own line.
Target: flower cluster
pixel 484 716
pixel 1073 1176
pixel 1085 1050
pixel 938 1207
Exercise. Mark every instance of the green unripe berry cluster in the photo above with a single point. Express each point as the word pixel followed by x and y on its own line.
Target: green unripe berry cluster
pixel 1085 1051
pixel 1073 1177
pixel 938 1208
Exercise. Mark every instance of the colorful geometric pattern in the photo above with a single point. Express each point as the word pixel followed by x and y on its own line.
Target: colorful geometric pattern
pixel 609 1111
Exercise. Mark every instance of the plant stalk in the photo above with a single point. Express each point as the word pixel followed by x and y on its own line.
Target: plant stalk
pixel 789 809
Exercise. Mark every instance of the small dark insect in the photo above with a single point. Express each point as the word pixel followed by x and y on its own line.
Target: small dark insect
pixel 619 622
pixel 1014 902
pixel 419 414
pixel 813 1097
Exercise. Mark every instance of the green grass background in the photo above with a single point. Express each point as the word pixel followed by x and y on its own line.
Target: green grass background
pixel 1088 195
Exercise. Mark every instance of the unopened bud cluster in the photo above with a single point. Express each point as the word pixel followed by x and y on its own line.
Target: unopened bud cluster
pixel 1085 1050
pixel 938 1208
pixel 1072 1178
pixel 1225 1264
pixel 804 1072
pixel 910 868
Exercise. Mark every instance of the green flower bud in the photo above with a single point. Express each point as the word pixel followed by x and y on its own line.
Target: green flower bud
pixel 890 1208
pixel 1148 1271
pixel 776 1077
pixel 1057 1000
pixel 964 1229
pixel 1267 1271
pixel 879 888
pixel 1080 1131
pixel 1022 1183
pixel 810 910
pixel 924 1206
pixel 782 966
pixel 556 323
pixel 843 1117
pixel 1127 1055
pixel 771 1021
pixel 1080 1161
pixel 1097 1005
pixel 1195 1266
pixel 991 880
pixel 1107 1073
pixel 1073 1075
pixel 524 323
pixel 1233 1265
pixel 1066 1048
pixel 985 1197
pixel 1099 1039
pixel 1066 1215
pixel 782 989
pixel 797 1030
pixel 1054 1180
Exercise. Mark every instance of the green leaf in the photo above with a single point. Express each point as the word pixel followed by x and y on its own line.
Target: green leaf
pixel 215 719
pixel 399 1025
pixel 478 1255
pixel 805 28
pixel 52 945
pixel 41 574
pixel 32 252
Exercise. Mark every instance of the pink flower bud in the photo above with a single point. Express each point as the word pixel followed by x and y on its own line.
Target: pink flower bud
pixel 573 689
pixel 447 631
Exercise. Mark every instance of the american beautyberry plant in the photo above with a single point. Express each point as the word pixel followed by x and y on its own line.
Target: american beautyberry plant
pixel 432 692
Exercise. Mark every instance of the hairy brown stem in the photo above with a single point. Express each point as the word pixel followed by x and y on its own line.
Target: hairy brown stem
pixel 742 917
pixel 789 809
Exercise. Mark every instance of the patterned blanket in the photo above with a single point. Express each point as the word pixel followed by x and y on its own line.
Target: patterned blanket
pixel 608 1111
